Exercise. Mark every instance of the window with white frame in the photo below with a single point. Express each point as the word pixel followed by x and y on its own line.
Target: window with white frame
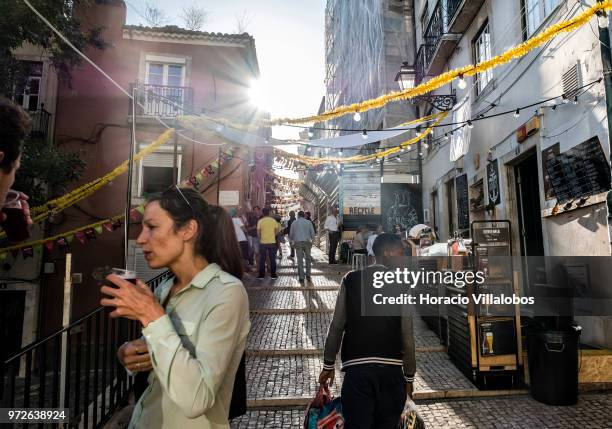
pixel 157 172
pixel 536 11
pixel 482 52
pixel 27 94
pixel 165 87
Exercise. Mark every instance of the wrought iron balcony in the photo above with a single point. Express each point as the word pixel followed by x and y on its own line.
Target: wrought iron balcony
pixel 161 100
pixel 438 44
pixel 41 120
pixel 461 13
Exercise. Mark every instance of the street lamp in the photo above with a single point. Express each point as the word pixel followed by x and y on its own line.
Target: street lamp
pixel 406 79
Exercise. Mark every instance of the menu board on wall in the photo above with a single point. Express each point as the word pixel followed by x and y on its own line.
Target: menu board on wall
pixel 361 193
pixel 579 172
pixel 463 202
pixel 493 183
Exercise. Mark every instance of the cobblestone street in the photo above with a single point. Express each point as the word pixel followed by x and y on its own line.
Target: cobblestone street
pixel 284 358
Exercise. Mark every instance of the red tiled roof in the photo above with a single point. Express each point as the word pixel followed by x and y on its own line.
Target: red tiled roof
pixel 175 32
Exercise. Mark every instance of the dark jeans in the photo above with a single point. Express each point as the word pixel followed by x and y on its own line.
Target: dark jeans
pixel 268 250
pixel 373 396
pixel 244 248
pixel 334 238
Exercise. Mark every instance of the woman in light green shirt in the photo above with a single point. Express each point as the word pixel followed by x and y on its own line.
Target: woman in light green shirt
pixel 195 325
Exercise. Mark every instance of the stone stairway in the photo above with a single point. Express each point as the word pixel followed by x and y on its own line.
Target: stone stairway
pixel 285 347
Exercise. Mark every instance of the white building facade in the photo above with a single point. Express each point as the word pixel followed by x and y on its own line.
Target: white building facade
pixel 454 33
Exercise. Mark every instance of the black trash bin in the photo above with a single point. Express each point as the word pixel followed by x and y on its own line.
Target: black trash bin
pixel 553 366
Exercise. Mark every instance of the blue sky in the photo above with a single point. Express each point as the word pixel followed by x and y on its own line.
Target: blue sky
pixel 289 36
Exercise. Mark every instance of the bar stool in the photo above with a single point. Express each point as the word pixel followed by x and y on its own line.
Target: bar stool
pixel 359 261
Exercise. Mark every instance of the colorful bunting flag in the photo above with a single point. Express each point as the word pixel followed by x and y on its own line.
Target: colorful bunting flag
pixel 80 236
pixel 90 234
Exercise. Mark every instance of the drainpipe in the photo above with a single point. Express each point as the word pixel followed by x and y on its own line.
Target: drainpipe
pixel 606 60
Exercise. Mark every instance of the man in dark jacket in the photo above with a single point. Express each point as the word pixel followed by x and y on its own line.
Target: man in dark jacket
pixel 288 230
pixel 378 352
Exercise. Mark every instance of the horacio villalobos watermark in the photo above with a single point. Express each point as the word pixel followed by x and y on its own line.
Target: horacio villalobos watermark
pixel 459 279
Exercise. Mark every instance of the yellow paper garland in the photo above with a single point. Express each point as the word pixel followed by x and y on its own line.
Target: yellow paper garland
pixel 312 160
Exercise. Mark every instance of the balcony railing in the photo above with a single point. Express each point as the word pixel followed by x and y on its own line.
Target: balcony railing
pixel 461 14
pixel 452 6
pixel 91 383
pixel 41 119
pixel 438 44
pixel 161 100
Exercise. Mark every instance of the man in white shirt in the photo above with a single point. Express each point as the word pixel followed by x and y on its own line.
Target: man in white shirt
pixel 332 226
pixel 240 234
pixel 371 238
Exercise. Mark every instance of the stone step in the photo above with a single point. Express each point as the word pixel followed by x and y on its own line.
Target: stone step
pixel 292 311
pixel 292 299
pixel 296 376
pixel 319 352
pixel 293 288
pixel 419 395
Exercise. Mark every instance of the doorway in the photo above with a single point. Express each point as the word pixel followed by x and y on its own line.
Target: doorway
pixel 530 218
pixel 12 306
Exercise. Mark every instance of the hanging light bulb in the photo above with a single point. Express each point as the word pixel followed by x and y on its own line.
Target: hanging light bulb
pixel 266 141
pixel 446 137
pixel 398 159
pixel 565 99
pixel 462 84
pixel 340 152
pixel 357 117
pixel 470 124
pixel 310 134
pixel 307 148
pixel 576 99
pixel 602 19
pixel 402 149
pixel 364 134
pixel 517 113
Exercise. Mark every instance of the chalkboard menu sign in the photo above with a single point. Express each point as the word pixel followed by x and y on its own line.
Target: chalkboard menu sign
pixel 579 172
pixel 463 202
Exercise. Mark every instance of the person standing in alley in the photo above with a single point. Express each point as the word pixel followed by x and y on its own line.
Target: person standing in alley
pixel 252 219
pixel 301 235
pixel 195 324
pixel 332 226
pixel 378 352
pixel 240 230
pixel 370 245
pixel 267 229
pixel 288 231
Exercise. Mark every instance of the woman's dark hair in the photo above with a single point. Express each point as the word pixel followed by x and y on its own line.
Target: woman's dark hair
pixel 216 240
pixel 14 128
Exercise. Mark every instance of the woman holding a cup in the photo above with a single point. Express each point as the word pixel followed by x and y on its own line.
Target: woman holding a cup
pixel 195 324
